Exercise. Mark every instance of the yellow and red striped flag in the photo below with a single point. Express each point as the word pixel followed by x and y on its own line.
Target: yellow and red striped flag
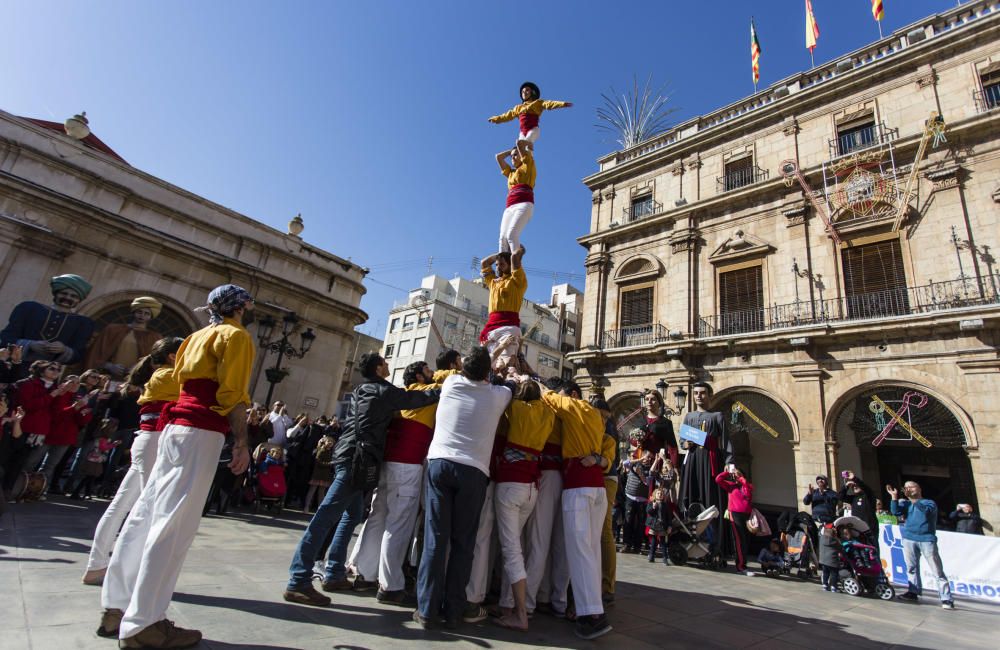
pixel 812 28
pixel 754 53
pixel 878 12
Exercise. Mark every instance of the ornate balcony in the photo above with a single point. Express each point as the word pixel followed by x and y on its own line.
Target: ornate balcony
pixel 633 335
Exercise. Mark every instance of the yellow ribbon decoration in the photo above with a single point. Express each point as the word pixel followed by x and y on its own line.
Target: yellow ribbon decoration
pixel 906 425
pixel 741 407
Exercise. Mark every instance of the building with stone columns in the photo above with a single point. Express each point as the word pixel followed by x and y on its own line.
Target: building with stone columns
pixel 73 205
pixel 822 252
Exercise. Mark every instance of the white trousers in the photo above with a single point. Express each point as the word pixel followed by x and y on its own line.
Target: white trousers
pixel 531 136
pixel 143 458
pixel 541 533
pixel 475 591
pixel 514 219
pixel 583 511
pixel 158 532
pixel 514 503
pixel 507 337
pixel 382 544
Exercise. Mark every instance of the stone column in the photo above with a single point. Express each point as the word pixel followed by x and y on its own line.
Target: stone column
pixel 814 453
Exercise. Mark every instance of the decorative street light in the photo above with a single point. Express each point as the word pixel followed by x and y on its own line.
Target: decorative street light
pixel 282 347
pixel 680 398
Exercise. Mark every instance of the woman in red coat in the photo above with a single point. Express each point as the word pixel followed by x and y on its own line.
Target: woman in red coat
pixel 34 394
pixel 70 413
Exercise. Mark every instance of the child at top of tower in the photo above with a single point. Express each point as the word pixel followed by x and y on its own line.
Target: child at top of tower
pixel 529 111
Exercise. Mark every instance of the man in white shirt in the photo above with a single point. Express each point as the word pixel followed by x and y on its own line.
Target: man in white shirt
pixel 458 468
pixel 280 421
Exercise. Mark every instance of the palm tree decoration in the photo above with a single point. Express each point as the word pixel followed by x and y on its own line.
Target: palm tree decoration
pixel 635 116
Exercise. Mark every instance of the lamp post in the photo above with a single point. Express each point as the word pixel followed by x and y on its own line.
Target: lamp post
pixel 680 398
pixel 282 347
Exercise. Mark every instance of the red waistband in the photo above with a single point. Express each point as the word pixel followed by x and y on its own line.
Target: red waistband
pixel 499 319
pixel 551 457
pixel 528 121
pixel 152 416
pixel 193 407
pixel 407 441
pixel 520 193
pixel 575 475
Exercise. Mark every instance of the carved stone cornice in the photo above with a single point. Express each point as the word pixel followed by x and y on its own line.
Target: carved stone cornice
pixel 810 374
pixel 791 126
pixel 795 212
pixel 677 169
pixel 928 77
pixel 597 261
pixel 609 194
pixel 694 163
pixel 683 240
pixel 945 178
pixel 596 198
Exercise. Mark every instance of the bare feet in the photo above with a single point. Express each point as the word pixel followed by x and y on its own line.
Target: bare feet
pixel 513 622
pixel 94 577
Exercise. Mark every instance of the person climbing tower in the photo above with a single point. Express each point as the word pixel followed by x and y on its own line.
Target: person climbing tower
pixel 528 113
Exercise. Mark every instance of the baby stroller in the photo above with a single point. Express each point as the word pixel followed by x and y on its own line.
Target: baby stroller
pixel 798 539
pixel 861 568
pixel 269 482
pixel 691 539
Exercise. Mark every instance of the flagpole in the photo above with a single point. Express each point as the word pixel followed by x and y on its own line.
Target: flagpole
pixel 879 29
pixel 812 62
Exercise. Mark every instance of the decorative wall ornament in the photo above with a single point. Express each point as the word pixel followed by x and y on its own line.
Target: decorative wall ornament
pixel 609 194
pixel 739 407
pixel 879 409
pixel 739 245
pixel 945 178
pixel 596 198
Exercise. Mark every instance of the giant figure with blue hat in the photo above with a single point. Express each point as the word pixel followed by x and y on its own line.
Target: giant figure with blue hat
pixel 52 332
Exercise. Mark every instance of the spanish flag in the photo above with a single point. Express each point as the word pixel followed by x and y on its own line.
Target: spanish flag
pixel 812 28
pixel 878 13
pixel 754 53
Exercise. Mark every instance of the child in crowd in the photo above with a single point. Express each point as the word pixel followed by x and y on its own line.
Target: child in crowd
pixel 665 476
pixel 658 515
pixel 275 456
pixel 771 558
pixel 93 466
pixel 528 113
pixel 829 557
pixel 853 548
pixel 322 474
pixel 636 497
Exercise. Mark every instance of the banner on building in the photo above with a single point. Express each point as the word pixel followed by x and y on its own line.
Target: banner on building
pixel 971 562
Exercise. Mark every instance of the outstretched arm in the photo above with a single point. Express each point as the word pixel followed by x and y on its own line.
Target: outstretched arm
pixel 502 161
pixel 505 117
pixel 551 104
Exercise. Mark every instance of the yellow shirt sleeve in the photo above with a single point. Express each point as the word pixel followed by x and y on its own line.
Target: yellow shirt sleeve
pixel 519 281
pixel 608 445
pixel 161 387
pixel 551 104
pixel 508 116
pixel 235 353
pixel 488 277
pixel 439 377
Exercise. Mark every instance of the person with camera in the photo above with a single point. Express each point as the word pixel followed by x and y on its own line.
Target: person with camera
pixel 919 530
pixel 740 492
pixel 858 499
pixel 965 520
pixel 357 458
pixel 823 501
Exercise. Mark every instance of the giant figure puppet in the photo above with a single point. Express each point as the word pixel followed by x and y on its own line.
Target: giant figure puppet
pixel 53 332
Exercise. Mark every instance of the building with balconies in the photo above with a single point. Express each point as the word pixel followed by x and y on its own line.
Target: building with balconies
pixel 447 314
pixel 823 253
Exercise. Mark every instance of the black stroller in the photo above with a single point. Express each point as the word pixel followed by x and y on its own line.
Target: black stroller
pixel 799 537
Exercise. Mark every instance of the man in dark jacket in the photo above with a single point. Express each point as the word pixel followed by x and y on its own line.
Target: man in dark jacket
pixel 860 498
pixel 375 401
pixel 823 501
pixel 966 521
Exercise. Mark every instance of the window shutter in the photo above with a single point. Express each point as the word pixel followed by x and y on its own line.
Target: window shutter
pixel 741 300
pixel 874 280
pixel 637 307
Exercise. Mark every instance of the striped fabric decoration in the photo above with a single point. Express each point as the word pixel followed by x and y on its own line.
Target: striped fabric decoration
pixel 754 53
pixel 878 12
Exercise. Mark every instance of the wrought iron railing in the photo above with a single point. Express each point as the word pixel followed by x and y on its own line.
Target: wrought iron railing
pixel 987 99
pixel 901 301
pixel 641 209
pixel 741 178
pixel 855 140
pixel 634 335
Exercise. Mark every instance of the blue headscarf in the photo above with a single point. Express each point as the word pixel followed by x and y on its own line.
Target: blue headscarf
pixel 225 299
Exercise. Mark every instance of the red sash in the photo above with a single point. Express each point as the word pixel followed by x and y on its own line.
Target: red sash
pixel 193 407
pixel 407 441
pixel 499 319
pixel 575 475
pixel 528 121
pixel 520 193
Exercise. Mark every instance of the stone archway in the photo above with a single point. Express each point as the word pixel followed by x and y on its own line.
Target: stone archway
pixel 762 431
pixel 172 321
pixel 891 432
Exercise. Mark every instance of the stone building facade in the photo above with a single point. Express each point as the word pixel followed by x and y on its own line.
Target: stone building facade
pixel 870 344
pixel 75 206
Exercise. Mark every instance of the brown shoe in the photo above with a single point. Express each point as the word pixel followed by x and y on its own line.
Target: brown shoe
pixel 95 577
pixel 360 584
pixel 337 585
pixel 163 634
pixel 306 596
pixel 111 619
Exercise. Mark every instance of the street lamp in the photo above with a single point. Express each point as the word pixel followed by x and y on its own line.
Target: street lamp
pixel 680 398
pixel 282 347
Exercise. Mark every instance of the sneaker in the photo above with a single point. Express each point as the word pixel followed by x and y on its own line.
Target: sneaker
pixel 306 596
pixel 341 584
pixel 826 588
pixel 833 590
pixel 396 597
pixel 360 584
pixel 947 604
pixel 908 597
pixel 748 573
pixel 591 627
pixel 425 623
pixel 94 577
pixel 163 634
pixel 111 619
pixel 474 613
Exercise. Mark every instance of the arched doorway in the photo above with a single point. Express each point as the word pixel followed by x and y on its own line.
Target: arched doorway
pixel 627 414
pixel 761 433
pixel 890 433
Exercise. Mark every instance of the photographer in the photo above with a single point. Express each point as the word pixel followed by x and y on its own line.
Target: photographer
pixel 919 541
pixel 823 501
pixel 740 492
pixel 858 499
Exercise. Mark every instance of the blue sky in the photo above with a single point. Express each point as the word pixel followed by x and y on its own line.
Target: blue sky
pixel 369 118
